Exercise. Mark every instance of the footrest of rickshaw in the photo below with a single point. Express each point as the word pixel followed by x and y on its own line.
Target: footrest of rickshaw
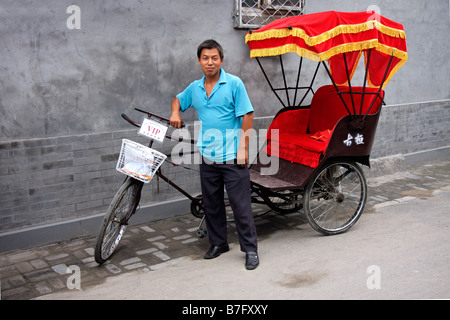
pixel 269 181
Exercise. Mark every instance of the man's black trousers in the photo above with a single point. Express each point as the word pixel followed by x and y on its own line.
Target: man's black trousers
pixel 236 179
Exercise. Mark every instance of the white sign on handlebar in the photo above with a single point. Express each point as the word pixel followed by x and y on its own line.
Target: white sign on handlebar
pixel 153 130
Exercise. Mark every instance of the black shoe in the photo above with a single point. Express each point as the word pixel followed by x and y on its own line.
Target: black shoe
pixel 251 260
pixel 216 251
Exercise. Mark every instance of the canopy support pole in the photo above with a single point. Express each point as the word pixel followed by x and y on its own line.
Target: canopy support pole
pixel 284 80
pixel 349 82
pixel 270 84
pixel 381 85
pixel 365 81
pixel 310 85
pixel 298 79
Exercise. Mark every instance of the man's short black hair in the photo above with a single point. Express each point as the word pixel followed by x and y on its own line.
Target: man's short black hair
pixel 209 44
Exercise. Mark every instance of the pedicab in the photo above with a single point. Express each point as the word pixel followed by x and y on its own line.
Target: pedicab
pixel 319 146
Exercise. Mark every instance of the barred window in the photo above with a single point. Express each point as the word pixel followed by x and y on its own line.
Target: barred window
pixel 253 14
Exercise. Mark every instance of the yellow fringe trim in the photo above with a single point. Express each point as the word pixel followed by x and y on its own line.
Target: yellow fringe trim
pixel 327 35
pixel 323 56
pixel 347 47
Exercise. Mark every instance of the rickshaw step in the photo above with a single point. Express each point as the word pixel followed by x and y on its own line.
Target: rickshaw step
pixel 270 182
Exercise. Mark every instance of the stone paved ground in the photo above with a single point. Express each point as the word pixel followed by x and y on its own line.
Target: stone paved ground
pixel 30 273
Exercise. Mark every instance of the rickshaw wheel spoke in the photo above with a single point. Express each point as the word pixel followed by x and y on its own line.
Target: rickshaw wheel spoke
pixel 334 198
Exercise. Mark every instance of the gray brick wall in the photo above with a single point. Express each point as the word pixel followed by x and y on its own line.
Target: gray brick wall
pixel 408 128
pixel 55 179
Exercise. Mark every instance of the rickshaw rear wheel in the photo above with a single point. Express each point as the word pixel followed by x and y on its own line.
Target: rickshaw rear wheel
pixel 335 197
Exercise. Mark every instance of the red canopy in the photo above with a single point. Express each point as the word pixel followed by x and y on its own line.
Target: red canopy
pixel 326 35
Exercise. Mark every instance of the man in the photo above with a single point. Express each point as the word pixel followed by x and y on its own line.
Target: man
pixel 226 117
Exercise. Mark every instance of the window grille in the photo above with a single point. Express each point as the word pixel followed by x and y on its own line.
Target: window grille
pixel 253 14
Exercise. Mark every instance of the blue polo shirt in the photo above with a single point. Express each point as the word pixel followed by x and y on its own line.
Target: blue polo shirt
pixel 220 115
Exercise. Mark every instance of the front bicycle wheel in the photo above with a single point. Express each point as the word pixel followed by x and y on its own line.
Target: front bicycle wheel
pixel 334 198
pixel 122 207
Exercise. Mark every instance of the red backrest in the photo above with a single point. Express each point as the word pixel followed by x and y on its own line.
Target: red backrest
pixel 291 121
pixel 327 108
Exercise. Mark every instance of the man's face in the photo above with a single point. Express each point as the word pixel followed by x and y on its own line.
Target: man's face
pixel 210 62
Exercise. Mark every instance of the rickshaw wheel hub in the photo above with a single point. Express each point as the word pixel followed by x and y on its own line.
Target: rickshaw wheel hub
pixel 340 198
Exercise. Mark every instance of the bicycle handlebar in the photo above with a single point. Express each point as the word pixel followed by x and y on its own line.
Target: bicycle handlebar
pixel 134 123
pixel 130 121
pixel 149 114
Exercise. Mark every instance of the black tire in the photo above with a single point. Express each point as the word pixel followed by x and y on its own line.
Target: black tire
pixel 122 207
pixel 197 209
pixel 335 197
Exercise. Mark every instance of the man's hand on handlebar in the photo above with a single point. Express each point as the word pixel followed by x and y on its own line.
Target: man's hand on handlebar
pixel 175 120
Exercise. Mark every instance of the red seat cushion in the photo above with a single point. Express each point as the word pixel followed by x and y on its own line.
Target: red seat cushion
pixel 301 148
